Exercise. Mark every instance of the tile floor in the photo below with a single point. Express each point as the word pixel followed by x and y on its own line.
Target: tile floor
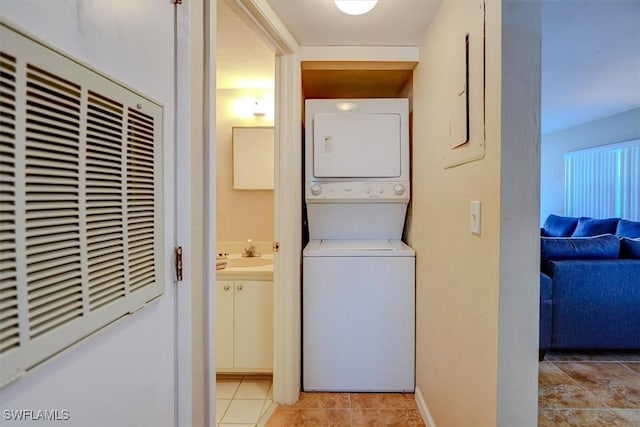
pixel 575 389
pixel 242 400
pixel 348 409
pixel 589 389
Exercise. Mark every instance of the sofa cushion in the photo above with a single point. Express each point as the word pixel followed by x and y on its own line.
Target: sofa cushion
pixel 630 248
pixel 594 227
pixel 546 310
pixel 546 286
pixel 628 228
pixel 596 304
pixel 559 226
pixel 599 247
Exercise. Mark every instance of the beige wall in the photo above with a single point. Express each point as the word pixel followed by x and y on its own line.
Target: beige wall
pixel 456 272
pixel 241 214
pixel 460 282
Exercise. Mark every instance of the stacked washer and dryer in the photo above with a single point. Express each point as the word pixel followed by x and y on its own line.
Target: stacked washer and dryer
pixel 358 300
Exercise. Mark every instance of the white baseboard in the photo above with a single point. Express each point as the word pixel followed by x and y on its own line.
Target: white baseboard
pixel 424 411
pixel 262 422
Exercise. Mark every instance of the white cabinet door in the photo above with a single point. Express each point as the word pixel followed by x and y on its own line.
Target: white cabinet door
pixel 224 324
pixel 253 321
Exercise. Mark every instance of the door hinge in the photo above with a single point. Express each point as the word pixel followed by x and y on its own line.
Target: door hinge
pixel 275 246
pixel 177 1
pixel 178 256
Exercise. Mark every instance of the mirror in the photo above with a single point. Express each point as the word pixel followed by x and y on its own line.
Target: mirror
pixel 253 158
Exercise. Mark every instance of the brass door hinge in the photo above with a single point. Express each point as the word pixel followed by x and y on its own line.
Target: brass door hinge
pixel 177 1
pixel 275 246
pixel 178 260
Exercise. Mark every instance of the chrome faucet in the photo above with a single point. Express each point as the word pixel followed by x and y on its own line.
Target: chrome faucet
pixel 250 250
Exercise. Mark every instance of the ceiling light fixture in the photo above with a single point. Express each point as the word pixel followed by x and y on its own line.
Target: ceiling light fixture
pixel 355 7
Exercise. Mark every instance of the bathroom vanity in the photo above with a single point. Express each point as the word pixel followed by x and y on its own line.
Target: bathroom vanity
pixel 244 316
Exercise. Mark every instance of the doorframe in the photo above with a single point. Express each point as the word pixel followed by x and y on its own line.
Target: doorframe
pixel 194 355
pixel 183 325
pixel 287 351
pixel 287 345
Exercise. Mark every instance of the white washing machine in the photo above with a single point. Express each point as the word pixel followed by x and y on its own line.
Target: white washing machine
pixel 358 291
pixel 358 316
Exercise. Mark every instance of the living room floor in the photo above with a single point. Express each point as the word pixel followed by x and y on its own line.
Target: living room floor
pixel 589 389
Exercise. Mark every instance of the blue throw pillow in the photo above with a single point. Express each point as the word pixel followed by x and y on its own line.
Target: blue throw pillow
pixel 628 228
pixel 598 247
pixel 630 248
pixel 559 226
pixel 588 227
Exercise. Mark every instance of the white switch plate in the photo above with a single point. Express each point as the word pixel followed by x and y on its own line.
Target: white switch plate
pixel 475 218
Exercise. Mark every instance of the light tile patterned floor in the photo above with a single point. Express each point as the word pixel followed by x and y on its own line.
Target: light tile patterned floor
pixel 242 400
pixel 589 389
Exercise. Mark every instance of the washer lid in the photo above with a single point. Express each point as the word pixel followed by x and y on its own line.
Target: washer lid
pixel 374 248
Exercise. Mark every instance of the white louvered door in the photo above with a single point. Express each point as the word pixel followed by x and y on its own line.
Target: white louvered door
pixel 80 202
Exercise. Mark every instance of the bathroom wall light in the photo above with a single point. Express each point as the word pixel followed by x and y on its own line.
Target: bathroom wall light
pixel 355 7
pixel 259 107
pixel 252 106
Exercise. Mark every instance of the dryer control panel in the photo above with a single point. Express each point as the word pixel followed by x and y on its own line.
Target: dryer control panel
pixel 358 191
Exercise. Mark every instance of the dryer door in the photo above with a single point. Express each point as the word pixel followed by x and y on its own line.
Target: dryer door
pixel 349 145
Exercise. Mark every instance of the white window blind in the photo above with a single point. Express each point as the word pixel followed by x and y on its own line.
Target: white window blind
pixel 80 202
pixel 604 182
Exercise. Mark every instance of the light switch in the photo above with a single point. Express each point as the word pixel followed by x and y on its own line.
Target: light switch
pixel 474 224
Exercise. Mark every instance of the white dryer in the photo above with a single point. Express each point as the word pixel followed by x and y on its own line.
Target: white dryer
pixel 358 276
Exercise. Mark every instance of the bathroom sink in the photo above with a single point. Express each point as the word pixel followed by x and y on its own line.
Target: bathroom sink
pixel 248 262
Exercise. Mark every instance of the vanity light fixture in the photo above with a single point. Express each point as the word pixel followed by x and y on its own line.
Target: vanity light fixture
pixel 259 107
pixel 355 7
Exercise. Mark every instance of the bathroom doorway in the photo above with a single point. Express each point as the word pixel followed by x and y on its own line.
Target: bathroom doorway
pixel 287 196
pixel 245 80
pixel 245 158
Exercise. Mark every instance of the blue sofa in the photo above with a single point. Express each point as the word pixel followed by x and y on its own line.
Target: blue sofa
pixel 589 284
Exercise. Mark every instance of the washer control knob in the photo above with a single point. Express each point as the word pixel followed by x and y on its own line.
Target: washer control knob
pixel 398 189
pixel 316 189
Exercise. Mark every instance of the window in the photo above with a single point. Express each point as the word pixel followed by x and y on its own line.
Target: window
pixel 80 202
pixel 604 182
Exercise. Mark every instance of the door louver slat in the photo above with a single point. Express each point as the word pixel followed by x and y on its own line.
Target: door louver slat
pixel 53 311
pixel 37 268
pixel 139 203
pixel 9 324
pixel 50 293
pixel 80 202
pixel 53 320
pixel 104 184
pixel 61 245
pixel 41 278
pixel 7 279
